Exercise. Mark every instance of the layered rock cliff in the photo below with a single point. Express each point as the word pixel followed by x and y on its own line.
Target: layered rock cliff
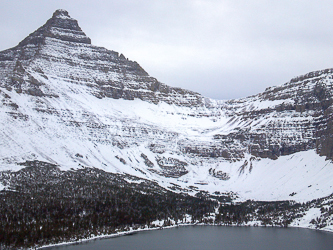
pixel 60 49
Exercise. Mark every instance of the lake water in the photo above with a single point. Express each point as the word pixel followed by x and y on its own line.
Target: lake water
pixel 214 237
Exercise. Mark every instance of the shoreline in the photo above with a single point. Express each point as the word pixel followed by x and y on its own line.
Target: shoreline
pixel 125 233
pixel 119 234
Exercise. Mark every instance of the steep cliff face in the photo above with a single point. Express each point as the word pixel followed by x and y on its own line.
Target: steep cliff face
pixel 286 119
pixel 324 142
pixel 70 103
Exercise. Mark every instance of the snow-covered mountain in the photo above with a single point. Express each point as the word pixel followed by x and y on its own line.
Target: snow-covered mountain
pixel 73 104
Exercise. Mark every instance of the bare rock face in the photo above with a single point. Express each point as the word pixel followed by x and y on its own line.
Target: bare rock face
pixel 171 167
pixel 324 142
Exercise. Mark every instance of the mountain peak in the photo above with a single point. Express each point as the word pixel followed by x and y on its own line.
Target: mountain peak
pixel 61 26
pixel 61 14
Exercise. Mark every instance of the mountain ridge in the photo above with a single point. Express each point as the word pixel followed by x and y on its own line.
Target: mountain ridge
pixel 113 75
pixel 75 104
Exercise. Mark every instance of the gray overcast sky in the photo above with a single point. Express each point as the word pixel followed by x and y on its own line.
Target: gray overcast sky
pixel 223 49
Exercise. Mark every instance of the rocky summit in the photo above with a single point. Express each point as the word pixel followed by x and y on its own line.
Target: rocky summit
pixel 66 102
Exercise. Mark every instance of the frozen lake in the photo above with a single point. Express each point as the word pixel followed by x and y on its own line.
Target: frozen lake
pixel 214 237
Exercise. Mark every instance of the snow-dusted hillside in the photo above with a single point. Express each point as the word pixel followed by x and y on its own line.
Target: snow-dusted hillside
pixel 69 103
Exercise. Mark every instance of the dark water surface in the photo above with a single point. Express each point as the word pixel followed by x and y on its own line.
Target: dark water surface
pixel 214 237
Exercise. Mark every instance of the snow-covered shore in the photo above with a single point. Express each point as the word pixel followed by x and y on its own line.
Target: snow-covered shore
pixel 132 231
